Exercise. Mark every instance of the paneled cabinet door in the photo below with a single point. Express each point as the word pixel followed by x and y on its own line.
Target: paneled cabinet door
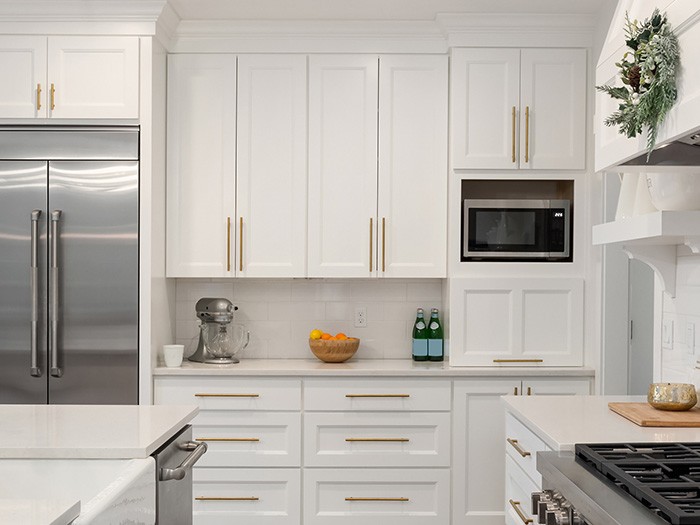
pixel 201 165
pixel 553 109
pixel 412 218
pixel 485 103
pixel 271 166
pixel 342 165
pixel 23 90
pixel 93 77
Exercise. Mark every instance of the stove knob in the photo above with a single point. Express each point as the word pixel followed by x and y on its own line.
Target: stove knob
pixel 550 518
pixel 575 518
pixel 562 517
pixel 543 509
pixel 535 499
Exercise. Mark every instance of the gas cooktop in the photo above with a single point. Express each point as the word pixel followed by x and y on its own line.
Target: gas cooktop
pixel 664 477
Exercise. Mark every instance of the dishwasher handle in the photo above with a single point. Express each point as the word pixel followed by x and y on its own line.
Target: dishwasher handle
pixel 178 473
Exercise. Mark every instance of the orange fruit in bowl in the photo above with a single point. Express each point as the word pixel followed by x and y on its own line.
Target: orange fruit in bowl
pixel 341 336
pixel 332 338
pixel 325 336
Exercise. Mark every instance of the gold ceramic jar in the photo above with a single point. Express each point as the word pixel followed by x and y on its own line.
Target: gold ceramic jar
pixel 672 396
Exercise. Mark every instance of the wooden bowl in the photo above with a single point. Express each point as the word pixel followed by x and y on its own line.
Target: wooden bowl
pixel 334 351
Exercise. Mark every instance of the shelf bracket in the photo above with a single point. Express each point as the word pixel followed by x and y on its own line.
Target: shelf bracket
pixel 661 259
pixel 693 242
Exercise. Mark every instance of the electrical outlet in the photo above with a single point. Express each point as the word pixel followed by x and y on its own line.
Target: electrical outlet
pixel 690 337
pixel 360 317
pixel 667 334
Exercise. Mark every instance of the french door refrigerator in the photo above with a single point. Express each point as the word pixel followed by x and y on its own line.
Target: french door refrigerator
pixel 69 270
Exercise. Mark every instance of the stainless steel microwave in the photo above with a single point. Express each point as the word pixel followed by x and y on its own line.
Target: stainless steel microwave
pixel 516 229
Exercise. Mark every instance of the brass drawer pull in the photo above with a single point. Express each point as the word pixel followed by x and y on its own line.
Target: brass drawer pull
pixel 228 244
pixel 376 499
pixel 240 244
pixel 513 134
pixel 227 395
pixel 52 92
pixel 516 506
pixel 38 97
pixel 377 440
pixel 377 395
pixel 527 133
pixel 231 440
pixel 514 443
pixel 384 244
pixel 371 241
pixel 518 360
pixel 203 498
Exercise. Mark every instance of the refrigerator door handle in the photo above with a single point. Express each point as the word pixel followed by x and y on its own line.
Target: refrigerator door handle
pixel 53 325
pixel 34 369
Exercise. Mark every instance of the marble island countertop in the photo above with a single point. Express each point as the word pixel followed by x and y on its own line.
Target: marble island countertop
pixel 39 511
pixel 361 367
pixel 88 431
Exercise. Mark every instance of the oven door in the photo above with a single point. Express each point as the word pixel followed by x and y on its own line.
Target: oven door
pixel 174 462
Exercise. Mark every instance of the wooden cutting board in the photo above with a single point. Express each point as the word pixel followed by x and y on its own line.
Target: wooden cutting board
pixel 645 415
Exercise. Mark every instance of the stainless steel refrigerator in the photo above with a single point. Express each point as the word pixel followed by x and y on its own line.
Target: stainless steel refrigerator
pixel 69 267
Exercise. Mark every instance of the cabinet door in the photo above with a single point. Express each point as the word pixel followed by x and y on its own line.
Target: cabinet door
pixel 478 438
pixel 23 93
pixel 557 387
pixel 553 109
pixel 94 77
pixel 271 166
pixel 412 220
pixel 342 165
pixel 201 165
pixel 519 487
pixel 485 102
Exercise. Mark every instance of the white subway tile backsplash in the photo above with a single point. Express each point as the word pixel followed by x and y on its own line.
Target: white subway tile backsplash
pixel 425 291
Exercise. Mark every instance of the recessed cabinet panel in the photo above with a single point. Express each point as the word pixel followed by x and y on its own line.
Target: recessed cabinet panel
pixel 485 332
pixel 538 335
pixel 23 90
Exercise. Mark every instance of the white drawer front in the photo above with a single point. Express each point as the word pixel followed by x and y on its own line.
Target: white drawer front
pixel 377 439
pixel 249 439
pixel 229 393
pixel 377 394
pixel 246 496
pixel 522 445
pixel 519 487
pixel 376 496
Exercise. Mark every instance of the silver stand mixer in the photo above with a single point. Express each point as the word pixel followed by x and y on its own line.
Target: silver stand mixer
pixel 219 339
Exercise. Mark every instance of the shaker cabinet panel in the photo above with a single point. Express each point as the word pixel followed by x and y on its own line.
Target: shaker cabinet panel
pixel 24 93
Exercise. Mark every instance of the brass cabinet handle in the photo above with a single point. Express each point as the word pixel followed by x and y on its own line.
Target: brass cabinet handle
pixel 384 244
pixel 376 499
pixel 230 440
pixel 377 395
pixel 513 134
pixel 516 506
pixel 227 395
pixel 514 443
pixel 377 440
pixel 203 498
pixel 529 391
pixel 515 391
pixel 371 239
pixel 527 133
pixel 53 97
pixel 38 97
pixel 240 244
pixel 228 244
pixel 518 360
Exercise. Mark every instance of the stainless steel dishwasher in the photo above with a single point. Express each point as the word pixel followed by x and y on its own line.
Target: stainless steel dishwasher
pixel 174 462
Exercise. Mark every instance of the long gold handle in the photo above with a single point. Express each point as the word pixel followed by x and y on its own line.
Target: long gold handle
pixel 514 443
pixel 38 97
pixel 203 498
pixel 227 395
pixel 516 506
pixel 376 499
pixel 527 133
pixel 53 97
pixel 529 391
pixel 377 440
pixel 228 244
pixel 371 239
pixel 518 360
pixel 515 391
pixel 377 395
pixel 384 244
pixel 513 134
pixel 240 244
pixel 230 440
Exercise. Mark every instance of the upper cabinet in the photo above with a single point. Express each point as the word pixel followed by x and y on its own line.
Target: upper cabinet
pixel 70 77
pixel 518 109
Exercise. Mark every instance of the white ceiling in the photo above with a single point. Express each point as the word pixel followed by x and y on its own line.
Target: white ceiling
pixel 370 9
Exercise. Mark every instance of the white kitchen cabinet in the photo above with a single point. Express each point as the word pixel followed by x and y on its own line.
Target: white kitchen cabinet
pixel 518 507
pixel 201 165
pixel 478 459
pixel 516 322
pixel 271 166
pixel 70 77
pixel 518 109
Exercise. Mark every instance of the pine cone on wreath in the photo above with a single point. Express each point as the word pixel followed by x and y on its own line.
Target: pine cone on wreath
pixel 634 76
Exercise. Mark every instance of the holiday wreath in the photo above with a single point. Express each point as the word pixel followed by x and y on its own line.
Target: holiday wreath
pixel 648 74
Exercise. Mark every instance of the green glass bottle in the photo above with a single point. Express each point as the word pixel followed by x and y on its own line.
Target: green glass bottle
pixel 436 339
pixel 420 338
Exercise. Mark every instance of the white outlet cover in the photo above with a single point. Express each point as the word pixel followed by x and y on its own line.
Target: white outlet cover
pixel 360 317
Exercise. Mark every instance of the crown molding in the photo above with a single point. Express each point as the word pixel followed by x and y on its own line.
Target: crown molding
pixel 166 26
pixel 52 10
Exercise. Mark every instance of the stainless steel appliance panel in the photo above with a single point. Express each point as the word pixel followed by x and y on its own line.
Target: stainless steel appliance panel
pixel 93 282
pixel 23 282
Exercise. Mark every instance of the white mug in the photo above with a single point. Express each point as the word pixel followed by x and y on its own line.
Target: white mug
pixel 172 355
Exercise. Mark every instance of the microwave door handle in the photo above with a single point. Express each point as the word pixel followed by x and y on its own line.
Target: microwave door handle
pixel 34 370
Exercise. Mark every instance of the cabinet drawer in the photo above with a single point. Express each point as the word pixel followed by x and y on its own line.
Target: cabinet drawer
pixel 522 446
pixel 246 496
pixel 377 439
pixel 249 439
pixel 376 496
pixel 519 487
pixel 377 394
pixel 229 393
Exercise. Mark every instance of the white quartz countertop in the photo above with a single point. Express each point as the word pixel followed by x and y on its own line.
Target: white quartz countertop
pixel 38 511
pixel 563 421
pixel 88 431
pixel 361 367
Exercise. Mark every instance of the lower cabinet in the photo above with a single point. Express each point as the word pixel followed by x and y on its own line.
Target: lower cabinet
pixel 519 487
